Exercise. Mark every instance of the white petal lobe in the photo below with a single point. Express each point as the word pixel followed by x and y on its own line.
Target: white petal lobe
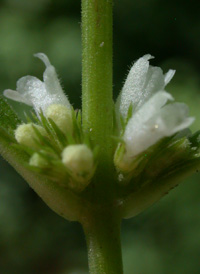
pixel 142 82
pixel 44 58
pixel 154 83
pixel 28 85
pixel 52 83
pixel 134 84
pixel 153 121
pixel 169 75
pixel 16 96
pixel 33 92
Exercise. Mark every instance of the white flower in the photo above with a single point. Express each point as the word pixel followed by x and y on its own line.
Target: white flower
pixel 33 92
pixel 152 119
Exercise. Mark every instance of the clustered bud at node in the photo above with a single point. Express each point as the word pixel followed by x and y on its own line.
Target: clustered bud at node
pixel 61 115
pixel 26 135
pixel 38 161
pixel 79 160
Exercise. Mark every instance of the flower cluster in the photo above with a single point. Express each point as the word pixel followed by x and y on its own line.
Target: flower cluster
pixel 154 142
pixel 53 136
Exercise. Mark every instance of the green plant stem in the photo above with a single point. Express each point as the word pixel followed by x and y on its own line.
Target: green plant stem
pixel 97 103
pixel 102 232
pixel 101 227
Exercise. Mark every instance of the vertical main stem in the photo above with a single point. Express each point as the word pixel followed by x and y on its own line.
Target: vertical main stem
pixel 102 233
pixel 97 103
pixel 101 227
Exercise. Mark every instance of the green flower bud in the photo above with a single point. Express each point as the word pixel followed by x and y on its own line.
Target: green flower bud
pixel 26 135
pixel 38 161
pixel 61 115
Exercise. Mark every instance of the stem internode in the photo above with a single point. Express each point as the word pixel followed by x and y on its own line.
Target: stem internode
pixel 97 103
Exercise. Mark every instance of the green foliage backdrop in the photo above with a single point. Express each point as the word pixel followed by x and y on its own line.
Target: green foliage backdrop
pixel 165 238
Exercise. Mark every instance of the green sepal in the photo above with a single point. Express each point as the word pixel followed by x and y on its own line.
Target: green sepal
pixel 56 138
pixel 153 191
pixel 129 113
pixel 195 139
pixel 8 118
pixel 77 125
pixel 58 197
pixel 120 122
pixel 158 170
pixel 160 155
pixel 59 135
pixel 7 135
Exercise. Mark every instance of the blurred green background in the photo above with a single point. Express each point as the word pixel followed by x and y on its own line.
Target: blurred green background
pixel 165 238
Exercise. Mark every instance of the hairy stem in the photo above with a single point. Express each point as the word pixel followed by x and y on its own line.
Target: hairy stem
pixel 97 100
pixel 101 227
pixel 102 232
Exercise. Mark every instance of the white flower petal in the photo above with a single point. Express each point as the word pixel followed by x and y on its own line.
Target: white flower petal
pixel 154 83
pixel 52 83
pixel 16 96
pixel 134 84
pixel 29 85
pixel 154 121
pixel 142 82
pixel 151 107
pixel 28 90
pixel 169 75
pixel 43 57
pixel 34 90
pixel 175 117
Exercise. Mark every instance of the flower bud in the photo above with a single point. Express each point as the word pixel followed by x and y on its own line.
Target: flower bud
pixel 79 160
pixel 38 161
pixel 61 115
pixel 25 134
